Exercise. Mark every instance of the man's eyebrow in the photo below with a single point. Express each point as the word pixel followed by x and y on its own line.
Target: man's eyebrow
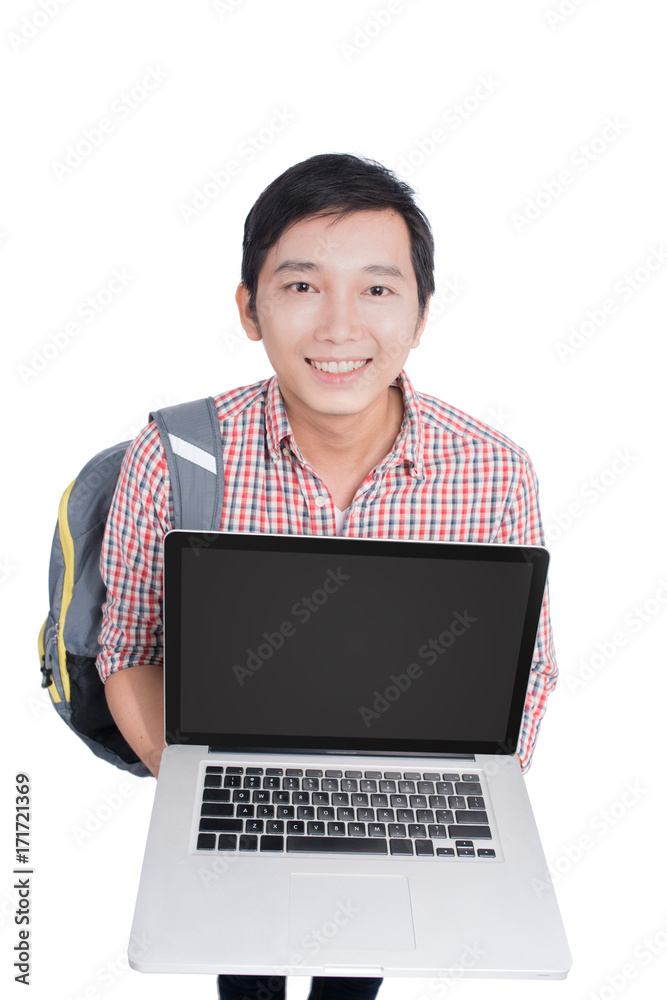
pixel 383 270
pixel 296 265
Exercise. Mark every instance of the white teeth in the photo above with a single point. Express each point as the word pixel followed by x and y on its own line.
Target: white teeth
pixel 337 367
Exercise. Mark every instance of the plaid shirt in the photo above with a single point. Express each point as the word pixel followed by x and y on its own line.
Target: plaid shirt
pixel 448 477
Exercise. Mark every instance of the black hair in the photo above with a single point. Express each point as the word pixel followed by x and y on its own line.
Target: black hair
pixel 333 184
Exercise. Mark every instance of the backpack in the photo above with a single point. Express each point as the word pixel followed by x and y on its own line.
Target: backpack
pixel 68 646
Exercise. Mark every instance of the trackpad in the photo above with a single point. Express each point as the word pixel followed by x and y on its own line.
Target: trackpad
pixel 360 912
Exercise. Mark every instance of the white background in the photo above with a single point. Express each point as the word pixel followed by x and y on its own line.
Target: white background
pixel 592 419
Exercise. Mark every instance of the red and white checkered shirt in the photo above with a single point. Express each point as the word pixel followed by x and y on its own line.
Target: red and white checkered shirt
pixel 448 477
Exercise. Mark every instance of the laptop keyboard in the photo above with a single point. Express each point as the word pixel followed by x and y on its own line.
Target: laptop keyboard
pixel 269 810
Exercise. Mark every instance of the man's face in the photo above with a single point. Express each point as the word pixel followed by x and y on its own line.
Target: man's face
pixel 337 289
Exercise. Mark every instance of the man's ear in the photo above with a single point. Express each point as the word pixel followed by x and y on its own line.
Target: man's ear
pixel 248 321
pixel 421 325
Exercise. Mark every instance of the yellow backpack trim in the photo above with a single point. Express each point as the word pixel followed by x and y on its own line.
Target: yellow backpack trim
pixel 67 545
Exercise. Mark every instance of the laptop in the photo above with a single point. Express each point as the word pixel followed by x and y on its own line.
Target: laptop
pixel 339 794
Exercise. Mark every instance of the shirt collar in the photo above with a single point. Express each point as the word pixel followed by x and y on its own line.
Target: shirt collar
pixel 409 444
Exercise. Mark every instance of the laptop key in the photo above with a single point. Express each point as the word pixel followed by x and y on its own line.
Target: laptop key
pixel 333 774
pixel 412 776
pixel 295 772
pixel 254 826
pixel 469 777
pixel 214 769
pixel 268 843
pixel 377 830
pixel 213 781
pixel 476 802
pixel 335 829
pixel 313 772
pixel 445 852
pixel 393 775
pixel 356 829
pixel 417 830
pixel 373 774
pixel 470 832
pixel 206 842
pixel 275 826
pixel 234 770
pixel 471 816
pixel 353 774
pixel 485 852
pixel 227 842
pixel 217 809
pixel 400 846
pixel 456 802
pixel 424 847
pixel 468 788
pixel 220 825
pixel 274 770
pixel 397 830
pixel 316 828
pixel 437 830
pixel 338 845
pixel 247 843
pixel 216 795
pixel 465 852
pixel 296 826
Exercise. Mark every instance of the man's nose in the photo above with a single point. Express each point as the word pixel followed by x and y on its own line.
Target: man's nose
pixel 340 317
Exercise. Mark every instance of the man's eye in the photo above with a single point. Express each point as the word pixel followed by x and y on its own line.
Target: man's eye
pixel 377 290
pixel 300 286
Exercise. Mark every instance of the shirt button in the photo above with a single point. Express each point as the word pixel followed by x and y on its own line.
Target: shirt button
pixel 320 501
pixel 286 452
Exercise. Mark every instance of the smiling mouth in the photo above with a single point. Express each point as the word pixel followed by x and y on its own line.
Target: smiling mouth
pixel 338 367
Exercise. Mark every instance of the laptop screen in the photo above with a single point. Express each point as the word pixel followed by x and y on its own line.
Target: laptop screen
pixel 290 642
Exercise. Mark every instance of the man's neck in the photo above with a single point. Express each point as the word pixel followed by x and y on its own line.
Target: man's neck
pixel 348 442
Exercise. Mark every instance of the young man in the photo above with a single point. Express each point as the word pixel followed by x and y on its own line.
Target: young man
pixel 337 274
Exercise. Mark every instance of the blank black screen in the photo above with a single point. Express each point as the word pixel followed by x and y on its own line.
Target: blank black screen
pixel 358 647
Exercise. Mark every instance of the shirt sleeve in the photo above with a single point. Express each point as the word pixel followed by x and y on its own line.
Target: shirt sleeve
pixel 131 559
pixel 522 524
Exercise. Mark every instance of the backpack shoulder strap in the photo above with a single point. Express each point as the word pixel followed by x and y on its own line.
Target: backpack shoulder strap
pixel 190 434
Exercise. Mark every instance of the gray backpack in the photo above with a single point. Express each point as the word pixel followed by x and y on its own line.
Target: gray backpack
pixel 68 646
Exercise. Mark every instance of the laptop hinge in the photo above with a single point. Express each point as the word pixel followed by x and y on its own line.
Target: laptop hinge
pixel 310 751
